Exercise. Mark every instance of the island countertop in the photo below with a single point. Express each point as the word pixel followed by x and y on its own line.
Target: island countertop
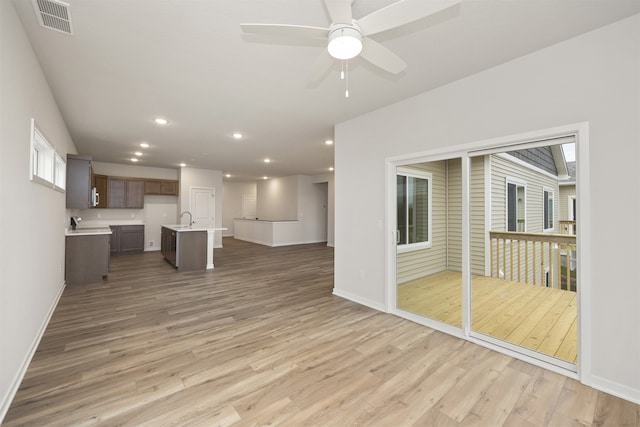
pixel 195 227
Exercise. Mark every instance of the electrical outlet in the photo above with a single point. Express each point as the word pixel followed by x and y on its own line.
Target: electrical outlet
pixel 150 242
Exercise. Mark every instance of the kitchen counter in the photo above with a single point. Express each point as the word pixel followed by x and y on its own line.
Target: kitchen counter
pixel 185 227
pixel 87 231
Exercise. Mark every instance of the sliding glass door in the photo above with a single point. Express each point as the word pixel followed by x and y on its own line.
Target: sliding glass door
pixel 515 282
pixel 429 245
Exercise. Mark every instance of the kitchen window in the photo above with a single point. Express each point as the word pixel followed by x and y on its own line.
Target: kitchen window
pixel 413 192
pixel 46 166
pixel 60 173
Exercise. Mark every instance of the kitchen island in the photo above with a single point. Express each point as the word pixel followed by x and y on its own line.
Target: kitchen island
pixel 188 247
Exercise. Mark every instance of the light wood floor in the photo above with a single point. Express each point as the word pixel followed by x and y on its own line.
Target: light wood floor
pixel 535 317
pixel 261 341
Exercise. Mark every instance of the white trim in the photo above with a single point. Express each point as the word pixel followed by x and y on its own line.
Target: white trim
pixel 583 247
pixel 488 218
pixel 390 239
pixel 358 299
pixel 466 246
pixel 508 157
pixel 428 176
pixel 19 376
pixel 525 354
pixel 580 133
pixel 616 389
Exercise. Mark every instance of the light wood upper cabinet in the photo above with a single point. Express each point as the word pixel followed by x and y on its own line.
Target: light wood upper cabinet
pixel 163 187
pixel 125 193
pixel 100 182
pixel 117 192
pixel 135 193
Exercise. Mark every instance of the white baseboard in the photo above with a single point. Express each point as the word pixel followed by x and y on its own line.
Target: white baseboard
pixel 615 389
pixel 272 245
pixel 358 299
pixel 15 384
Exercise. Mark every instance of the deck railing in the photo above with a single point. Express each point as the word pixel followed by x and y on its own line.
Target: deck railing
pixel 543 259
pixel 567 226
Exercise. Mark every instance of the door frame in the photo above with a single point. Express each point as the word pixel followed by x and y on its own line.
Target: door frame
pixel 580 131
pixel 191 201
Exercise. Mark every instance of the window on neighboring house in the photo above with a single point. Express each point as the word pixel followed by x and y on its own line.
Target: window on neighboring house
pixel 516 206
pixel 547 201
pixel 413 209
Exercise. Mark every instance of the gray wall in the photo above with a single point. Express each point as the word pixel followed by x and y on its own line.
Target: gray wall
pixel 594 77
pixel 34 216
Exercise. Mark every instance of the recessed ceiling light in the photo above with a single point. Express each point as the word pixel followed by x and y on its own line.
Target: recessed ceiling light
pixel 331 169
pixel 237 135
pixel 144 145
pixel 160 121
pixel 133 159
pixel 228 175
pixel 267 160
pixel 138 153
pixel 328 142
pixel 183 165
pixel 265 177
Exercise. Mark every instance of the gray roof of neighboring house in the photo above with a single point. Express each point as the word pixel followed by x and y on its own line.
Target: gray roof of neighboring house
pixel 571 168
pixel 541 157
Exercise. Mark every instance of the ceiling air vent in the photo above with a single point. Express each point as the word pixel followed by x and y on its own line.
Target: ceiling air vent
pixel 54 15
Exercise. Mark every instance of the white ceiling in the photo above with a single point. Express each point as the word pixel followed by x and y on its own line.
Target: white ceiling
pixel 188 61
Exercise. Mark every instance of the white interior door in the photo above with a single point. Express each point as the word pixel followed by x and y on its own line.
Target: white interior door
pixel 203 202
pixel 249 206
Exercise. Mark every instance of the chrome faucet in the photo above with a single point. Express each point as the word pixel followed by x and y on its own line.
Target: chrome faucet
pixel 190 217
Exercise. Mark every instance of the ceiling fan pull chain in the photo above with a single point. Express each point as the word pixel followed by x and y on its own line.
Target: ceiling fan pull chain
pixel 346 81
pixel 342 71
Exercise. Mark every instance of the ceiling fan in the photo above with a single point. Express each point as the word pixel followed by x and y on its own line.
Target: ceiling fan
pixel 348 37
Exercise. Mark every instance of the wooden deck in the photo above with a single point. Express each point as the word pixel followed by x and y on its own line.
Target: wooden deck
pixel 534 317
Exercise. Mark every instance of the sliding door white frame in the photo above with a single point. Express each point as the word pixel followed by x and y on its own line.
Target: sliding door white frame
pixel 579 131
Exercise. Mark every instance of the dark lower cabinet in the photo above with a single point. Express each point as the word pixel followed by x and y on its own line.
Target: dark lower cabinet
pixel 168 245
pixel 186 250
pixel 127 239
pixel 86 259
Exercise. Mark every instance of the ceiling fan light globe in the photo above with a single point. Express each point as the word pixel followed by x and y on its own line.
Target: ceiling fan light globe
pixel 345 43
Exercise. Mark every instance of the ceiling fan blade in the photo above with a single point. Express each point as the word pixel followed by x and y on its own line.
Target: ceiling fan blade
pixel 299 31
pixel 400 13
pixel 320 67
pixel 381 57
pixel 339 10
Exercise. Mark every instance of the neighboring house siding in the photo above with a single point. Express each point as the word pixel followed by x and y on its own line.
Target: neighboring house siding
pixel 477 218
pixel 535 183
pixel 565 192
pixel 418 263
pixel 446 250
pixel 454 217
